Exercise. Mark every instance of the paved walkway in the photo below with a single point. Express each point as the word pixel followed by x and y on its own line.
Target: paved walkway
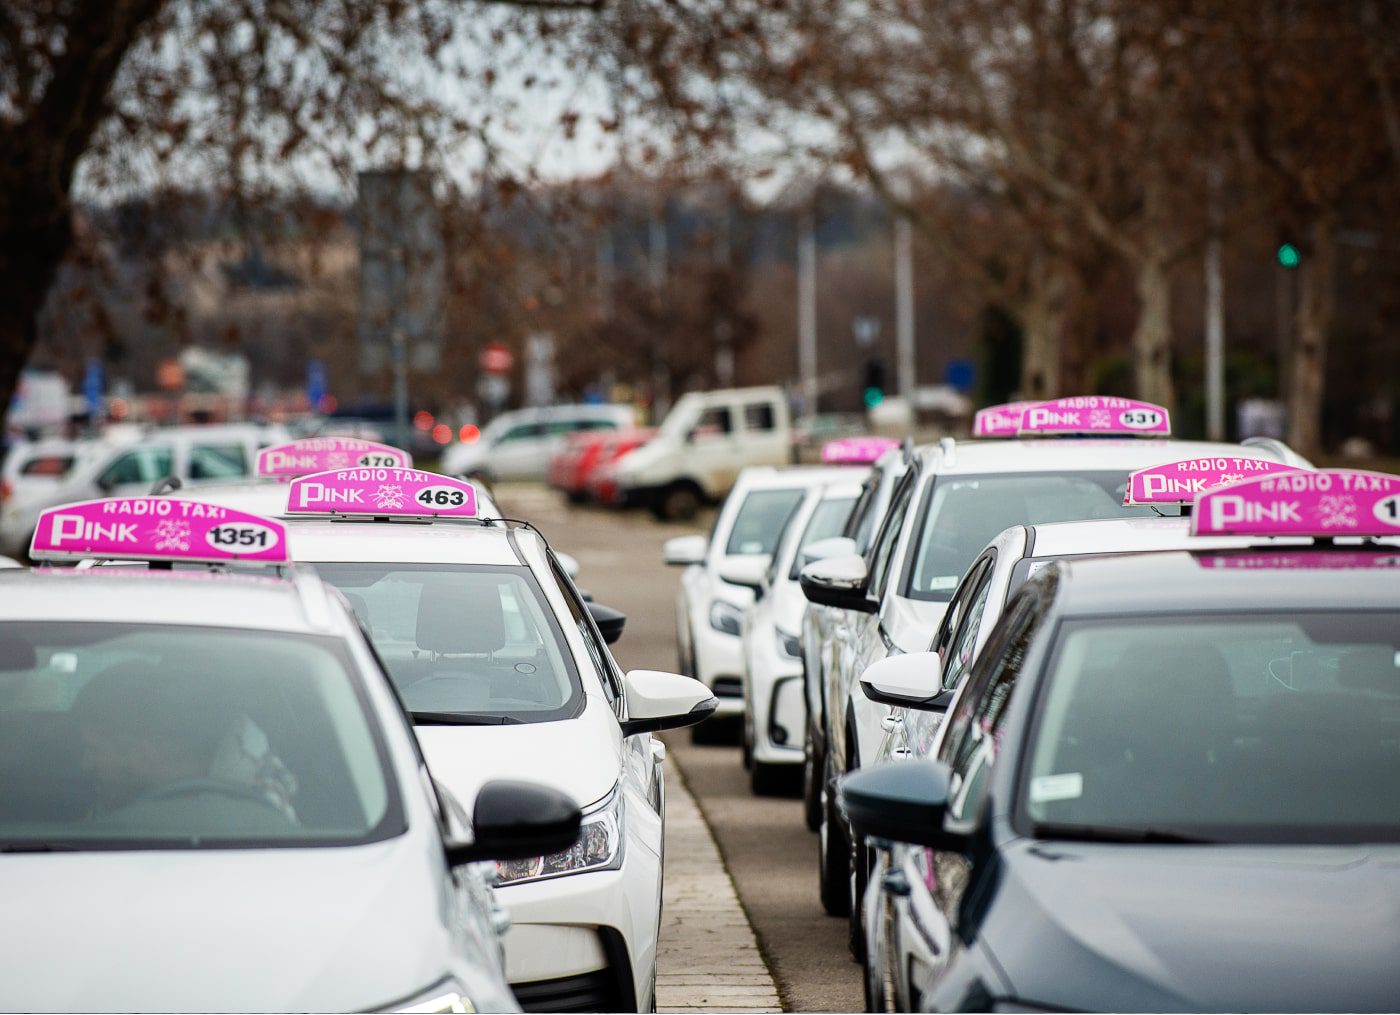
pixel 708 958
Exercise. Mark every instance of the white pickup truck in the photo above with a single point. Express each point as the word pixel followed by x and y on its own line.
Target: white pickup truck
pixel 706 440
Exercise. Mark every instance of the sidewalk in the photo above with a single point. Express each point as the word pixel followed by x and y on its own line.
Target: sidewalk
pixel 707 959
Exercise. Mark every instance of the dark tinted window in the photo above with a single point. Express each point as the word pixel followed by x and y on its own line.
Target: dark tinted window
pixel 759 416
pixel 713 423
pixel 139 465
pixel 882 555
pixel 218 461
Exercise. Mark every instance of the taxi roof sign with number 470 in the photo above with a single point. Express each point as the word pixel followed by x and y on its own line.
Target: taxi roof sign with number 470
pixel 157 528
pixel 382 493
pixel 317 454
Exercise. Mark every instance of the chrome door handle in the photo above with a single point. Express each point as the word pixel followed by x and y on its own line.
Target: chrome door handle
pixel 891 722
pixel 900 752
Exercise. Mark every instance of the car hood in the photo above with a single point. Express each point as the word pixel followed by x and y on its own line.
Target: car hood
pixel 341 929
pixel 912 623
pixel 580 756
pixel 1200 928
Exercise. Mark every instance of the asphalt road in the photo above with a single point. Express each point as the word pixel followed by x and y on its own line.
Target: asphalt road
pixel 771 856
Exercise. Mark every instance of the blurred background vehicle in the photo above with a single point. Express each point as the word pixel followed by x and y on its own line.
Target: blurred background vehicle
pixel 521 444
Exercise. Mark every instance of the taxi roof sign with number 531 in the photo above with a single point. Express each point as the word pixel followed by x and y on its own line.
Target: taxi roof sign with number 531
pixel 317 454
pixel 382 493
pixel 156 528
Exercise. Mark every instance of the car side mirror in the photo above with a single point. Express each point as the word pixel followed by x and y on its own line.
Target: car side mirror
pixel 682 551
pixel 839 582
pixel 610 622
pixel 665 701
pixel 515 821
pixel 823 549
pixel 749 572
pixel 906 801
pixel 913 680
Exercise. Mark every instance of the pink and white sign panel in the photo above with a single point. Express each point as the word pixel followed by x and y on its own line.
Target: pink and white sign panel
pixel 1333 502
pixel 318 454
pixel 1181 482
pixel 999 420
pixel 856 450
pixel 407 493
pixel 1096 414
pixel 156 528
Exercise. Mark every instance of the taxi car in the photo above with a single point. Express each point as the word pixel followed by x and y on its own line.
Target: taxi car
pixel 716 587
pixel 1170 779
pixel 820 623
pixel 775 710
pixel 204 773
pixel 505 670
pixel 1070 461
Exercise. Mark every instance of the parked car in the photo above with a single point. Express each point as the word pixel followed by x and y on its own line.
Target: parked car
pixel 574 466
pixel 706 440
pixel 520 444
pixel 191 454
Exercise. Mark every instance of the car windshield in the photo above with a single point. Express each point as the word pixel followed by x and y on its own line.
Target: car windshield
pixel 463 643
pixel 761 520
pixel 144 736
pixel 827 521
pixel 1243 728
pixel 962 514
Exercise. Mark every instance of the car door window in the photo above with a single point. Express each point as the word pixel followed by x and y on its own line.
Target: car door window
pixel 957 607
pixel 964 641
pixel 883 553
pixel 978 723
pixel 602 660
pixel 760 417
pixel 716 422
pixel 218 461
pixel 139 465
pixel 525 431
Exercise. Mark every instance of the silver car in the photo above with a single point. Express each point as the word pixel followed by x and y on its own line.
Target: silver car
pixel 210 799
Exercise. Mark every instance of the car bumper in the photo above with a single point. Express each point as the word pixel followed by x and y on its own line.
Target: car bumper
pixel 588 935
pixel 719 664
pixel 774 691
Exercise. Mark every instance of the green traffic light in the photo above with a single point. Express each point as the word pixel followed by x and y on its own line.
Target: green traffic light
pixel 1288 256
pixel 873 397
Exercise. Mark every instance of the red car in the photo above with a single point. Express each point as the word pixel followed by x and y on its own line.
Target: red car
pixel 573 469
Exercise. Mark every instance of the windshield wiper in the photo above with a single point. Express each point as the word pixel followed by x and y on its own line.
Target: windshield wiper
pixel 1102 833
pixel 37 847
pixel 464 719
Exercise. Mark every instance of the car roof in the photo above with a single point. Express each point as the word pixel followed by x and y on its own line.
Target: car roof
pixel 128 594
pixel 1261 576
pixel 1082 454
pixel 402 542
pixel 774 477
pixel 1125 535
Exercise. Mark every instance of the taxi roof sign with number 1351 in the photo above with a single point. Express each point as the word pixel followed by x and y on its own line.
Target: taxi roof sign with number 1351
pixel 157 528
pixel 382 493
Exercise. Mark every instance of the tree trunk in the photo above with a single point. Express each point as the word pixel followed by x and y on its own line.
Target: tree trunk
pixel 1042 325
pixel 1316 304
pixel 1152 335
pixel 38 156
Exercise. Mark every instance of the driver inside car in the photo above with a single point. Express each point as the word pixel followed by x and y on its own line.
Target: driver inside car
pixel 146 732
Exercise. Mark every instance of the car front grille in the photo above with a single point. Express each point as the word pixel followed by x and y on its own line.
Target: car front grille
pixel 593 992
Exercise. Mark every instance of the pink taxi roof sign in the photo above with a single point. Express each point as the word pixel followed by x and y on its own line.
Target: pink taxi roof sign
pixel 318 454
pixel 856 450
pixel 157 528
pixel 999 420
pixel 1181 482
pixel 1095 414
pixel 1331 502
pixel 382 493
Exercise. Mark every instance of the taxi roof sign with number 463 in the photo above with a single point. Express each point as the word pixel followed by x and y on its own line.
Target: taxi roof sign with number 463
pixel 382 493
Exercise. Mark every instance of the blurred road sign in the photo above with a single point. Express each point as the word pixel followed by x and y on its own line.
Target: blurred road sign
pixel 94 383
pixel 315 383
pixel 960 375
pixel 496 359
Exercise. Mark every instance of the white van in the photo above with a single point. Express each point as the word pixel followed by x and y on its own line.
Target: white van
pixel 519 444
pixel 708 438
pixel 193 454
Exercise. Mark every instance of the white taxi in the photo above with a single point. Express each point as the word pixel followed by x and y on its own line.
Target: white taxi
pixel 210 797
pixel 716 587
pixel 505 671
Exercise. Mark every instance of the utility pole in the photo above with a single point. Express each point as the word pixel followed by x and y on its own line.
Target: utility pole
pixel 904 307
pixel 1215 342
pixel 656 273
pixel 807 310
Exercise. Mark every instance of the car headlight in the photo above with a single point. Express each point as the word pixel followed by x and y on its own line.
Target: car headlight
pixel 789 645
pixel 447 996
pixel 726 617
pixel 599 847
